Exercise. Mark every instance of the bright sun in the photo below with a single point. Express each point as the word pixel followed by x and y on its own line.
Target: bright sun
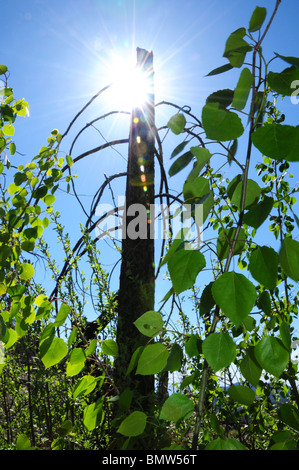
pixel 130 87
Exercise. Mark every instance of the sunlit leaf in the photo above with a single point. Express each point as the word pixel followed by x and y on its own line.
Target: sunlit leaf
pixel 133 425
pixel 275 140
pixel 257 19
pixel 220 124
pixel 282 82
pixel 150 323
pixel 27 271
pixel 177 123
pixel 52 351
pixel 219 350
pixel 289 258
pixel 263 266
pixel 221 69
pixel 76 362
pixel 242 89
pixel 225 239
pixel 110 347
pixel 236 48
pixel 289 59
pixel 184 266
pixel 257 214
pixel 92 415
pixel 176 407
pixel 223 97
pixel 272 355
pixel 84 386
pixel 153 359
pixel 180 163
pixel 235 295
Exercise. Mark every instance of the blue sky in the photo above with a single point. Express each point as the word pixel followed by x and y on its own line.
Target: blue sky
pixel 59 54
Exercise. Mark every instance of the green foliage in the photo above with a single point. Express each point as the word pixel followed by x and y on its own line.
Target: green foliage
pixel 232 365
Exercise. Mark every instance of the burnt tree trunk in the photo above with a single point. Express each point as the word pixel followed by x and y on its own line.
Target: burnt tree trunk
pixel 137 277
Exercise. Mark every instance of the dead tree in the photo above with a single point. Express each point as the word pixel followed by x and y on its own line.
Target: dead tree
pixel 137 277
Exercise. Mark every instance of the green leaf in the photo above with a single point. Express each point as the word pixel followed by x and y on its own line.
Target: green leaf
pixel 289 415
pixel 275 140
pixel 49 199
pixel 202 156
pixel 110 347
pixel 180 163
pixel 224 241
pixel 179 148
pixel 8 129
pixel 27 271
pixel 76 362
pixel 184 266
pixel 263 266
pixel 221 69
pixel 253 192
pixel 219 350
pixel 92 415
pixel 52 351
pixel 207 301
pixel 3 328
pixel 257 19
pixel 125 399
pixel 153 359
pixel 198 191
pixel 175 358
pixel 69 160
pixel 11 339
pixel 235 295
pixel 289 258
pixel 192 346
pixel 289 59
pixel 3 69
pixel 283 440
pixel 220 124
pixel 241 394
pixel 242 90
pixel 2 144
pixel 133 425
pixel 225 444
pixel 282 82
pixel 177 123
pixel 134 359
pixel 62 314
pixel 23 442
pixel 223 97
pixel 176 407
pixel 84 386
pixel 285 334
pixel 258 213
pixel 65 428
pixel 12 148
pixel 272 355
pixel 264 302
pixel 90 350
pixel 236 48
pixel 150 323
pixel 250 368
